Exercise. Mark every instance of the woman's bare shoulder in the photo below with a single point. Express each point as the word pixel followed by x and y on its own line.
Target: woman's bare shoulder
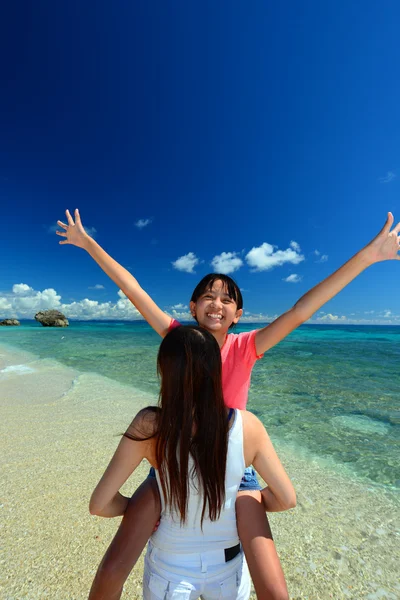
pixel 145 424
pixel 253 429
pixel 250 420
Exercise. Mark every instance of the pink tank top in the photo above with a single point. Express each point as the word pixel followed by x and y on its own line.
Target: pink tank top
pixel 238 356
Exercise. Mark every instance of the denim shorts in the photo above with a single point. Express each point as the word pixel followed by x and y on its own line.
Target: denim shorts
pixel 249 480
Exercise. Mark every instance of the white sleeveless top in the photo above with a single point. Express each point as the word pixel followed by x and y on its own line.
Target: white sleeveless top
pixel 173 537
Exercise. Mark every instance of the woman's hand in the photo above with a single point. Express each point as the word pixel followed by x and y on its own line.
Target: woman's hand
pixel 386 245
pixel 74 232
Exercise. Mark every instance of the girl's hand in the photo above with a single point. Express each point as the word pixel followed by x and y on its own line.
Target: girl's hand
pixel 74 232
pixel 386 245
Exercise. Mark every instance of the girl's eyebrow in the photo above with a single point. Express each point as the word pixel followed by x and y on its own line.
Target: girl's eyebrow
pixel 212 293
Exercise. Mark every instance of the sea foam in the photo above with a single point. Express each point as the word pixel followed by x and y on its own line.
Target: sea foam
pixel 20 369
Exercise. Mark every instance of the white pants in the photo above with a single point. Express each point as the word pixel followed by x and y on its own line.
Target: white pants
pixel 170 576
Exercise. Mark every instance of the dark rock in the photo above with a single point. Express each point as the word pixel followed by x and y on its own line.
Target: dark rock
pixel 10 322
pixel 51 318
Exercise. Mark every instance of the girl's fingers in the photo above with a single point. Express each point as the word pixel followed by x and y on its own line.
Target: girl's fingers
pixel 62 233
pixel 77 217
pixel 64 242
pixel 61 224
pixel 389 221
pixel 70 219
pixel 388 224
pixel 397 228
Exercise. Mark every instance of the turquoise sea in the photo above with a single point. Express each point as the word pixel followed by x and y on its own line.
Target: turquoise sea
pixel 331 393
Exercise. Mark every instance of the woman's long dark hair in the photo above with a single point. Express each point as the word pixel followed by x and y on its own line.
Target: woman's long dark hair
pixel 191 420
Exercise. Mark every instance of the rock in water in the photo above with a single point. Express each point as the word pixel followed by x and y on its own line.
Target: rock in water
pixel 51 318
pixel 10 322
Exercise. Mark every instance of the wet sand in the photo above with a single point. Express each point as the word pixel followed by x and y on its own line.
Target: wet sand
pixel 59 428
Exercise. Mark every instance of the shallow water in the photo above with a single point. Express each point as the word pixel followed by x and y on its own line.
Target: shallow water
pixel 330 392
pixel 62 422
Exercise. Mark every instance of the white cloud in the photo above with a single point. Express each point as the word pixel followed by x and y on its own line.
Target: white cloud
pixel 227 262
pixel 98 286
pixel 91 231
pixel 180 315
pixel 186 263
pixel 249 317
pixel 87 309
pixel 15 305
pixel 330 318
pixel 322 257
pixel 143 223
pixel 6 307
pixel 293 278
pixel 295 246
pixel 390 175
pixel 357 318
pixel 21 289
pixel 265 257
pixel 24 301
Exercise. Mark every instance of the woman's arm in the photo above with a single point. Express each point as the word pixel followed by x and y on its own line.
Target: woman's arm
pixel 106 501
pixel 77 236
pixel 385 246
pixel 279 494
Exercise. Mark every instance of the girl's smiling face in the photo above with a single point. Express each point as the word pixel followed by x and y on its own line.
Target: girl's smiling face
pixel 215 310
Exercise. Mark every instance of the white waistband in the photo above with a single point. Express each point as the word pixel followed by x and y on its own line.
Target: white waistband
pixel 195 559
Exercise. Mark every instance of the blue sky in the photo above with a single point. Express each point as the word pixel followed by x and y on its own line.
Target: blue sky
pixel 228 126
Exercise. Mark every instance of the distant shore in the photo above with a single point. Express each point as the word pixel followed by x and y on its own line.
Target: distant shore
pixel 242 321
pixel 58 430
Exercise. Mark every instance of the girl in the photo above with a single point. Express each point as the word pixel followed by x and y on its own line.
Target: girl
pixel 216 305
pixel 195 550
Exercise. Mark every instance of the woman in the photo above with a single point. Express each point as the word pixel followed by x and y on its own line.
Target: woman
pixel 199 449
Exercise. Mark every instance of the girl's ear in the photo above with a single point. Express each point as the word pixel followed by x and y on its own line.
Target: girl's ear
pixel 192 306
pixel 238 315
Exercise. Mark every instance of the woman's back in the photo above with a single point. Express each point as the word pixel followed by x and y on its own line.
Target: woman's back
pixel 194 536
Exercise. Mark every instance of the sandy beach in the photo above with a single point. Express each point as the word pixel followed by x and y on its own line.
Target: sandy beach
pixel 58 430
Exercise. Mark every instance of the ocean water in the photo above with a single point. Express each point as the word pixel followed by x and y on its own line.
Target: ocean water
pixel 330 393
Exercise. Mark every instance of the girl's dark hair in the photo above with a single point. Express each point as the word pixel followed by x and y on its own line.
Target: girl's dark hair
pixel 191 420
pixel 230 285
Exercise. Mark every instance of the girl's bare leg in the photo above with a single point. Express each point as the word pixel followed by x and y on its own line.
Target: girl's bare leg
pixel 136 527
pixel 259 548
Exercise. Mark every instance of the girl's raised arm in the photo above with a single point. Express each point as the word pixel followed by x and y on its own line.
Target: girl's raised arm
pixel 258 449
pixel 77 236
pixel 385 246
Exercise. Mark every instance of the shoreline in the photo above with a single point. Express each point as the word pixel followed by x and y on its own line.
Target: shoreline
pixel 60 427
pixel 242 322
